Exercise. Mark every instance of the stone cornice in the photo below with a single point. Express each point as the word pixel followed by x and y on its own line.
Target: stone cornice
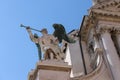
pixel 106 13
pixel 109 27
pixel 88 22
pixel 104 5
pixel 107 9
pixel 52 65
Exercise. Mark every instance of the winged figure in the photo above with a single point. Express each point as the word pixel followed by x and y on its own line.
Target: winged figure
pixel 49 44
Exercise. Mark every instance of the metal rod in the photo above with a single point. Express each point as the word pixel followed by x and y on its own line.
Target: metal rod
pixel 30 28
pixel 83 59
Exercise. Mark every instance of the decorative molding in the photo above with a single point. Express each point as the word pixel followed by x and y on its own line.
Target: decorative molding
pixel 86 26
pixel 117 31
pixel 111 8
pixel 108 27
pixel 50 65
pixel 106 4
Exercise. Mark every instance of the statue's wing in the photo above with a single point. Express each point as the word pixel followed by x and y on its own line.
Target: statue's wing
pixel 38 47
pixel 60 33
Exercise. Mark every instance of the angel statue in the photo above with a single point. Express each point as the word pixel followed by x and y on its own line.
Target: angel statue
pixel 48 43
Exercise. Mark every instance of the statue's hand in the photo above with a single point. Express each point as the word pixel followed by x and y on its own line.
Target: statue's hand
pixel 28 27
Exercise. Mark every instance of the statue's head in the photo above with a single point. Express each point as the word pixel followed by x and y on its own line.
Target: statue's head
pixel 44 31
pixel 35 35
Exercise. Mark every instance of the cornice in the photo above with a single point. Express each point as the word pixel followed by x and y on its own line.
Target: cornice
pixel 52 65
pixel 106 4
pixel 106 13
pixel 111 9
pixel 85 27
pixel 108 27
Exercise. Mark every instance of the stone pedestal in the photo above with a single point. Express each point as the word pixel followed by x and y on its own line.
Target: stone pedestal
pixel 50 70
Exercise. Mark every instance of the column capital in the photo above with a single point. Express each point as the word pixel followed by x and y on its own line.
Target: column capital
pixel 117 31
pixel 104 30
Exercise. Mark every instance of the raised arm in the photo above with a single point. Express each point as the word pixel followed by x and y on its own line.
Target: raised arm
pixel 31 35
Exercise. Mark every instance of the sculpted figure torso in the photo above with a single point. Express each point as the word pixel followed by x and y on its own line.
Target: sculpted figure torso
pixel 49 45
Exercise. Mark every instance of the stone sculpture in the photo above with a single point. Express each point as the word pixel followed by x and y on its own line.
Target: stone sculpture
pixel 48 43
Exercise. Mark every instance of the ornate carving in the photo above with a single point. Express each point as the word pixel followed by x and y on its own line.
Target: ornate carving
pixel 106 4
pixel 111 8
pixel 108 27
pixel 117 31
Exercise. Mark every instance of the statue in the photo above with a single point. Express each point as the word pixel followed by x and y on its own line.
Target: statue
pixel 49 44
pixel 38 47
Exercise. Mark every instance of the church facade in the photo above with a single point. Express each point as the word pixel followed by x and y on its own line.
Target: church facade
pixel 96 53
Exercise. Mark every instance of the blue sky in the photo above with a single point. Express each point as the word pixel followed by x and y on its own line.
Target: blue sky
pixel 18 55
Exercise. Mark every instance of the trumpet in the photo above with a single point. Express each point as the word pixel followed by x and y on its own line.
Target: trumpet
pixel 30 28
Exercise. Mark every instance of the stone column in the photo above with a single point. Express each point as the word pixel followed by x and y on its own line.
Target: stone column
pixel 118 40
pixel 111 54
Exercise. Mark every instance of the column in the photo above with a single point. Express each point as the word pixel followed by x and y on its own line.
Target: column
pixel 111 54
pixel 118 40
